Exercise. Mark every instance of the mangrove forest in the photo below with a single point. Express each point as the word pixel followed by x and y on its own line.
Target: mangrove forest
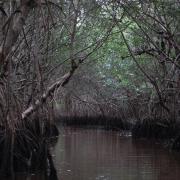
pixel 89 89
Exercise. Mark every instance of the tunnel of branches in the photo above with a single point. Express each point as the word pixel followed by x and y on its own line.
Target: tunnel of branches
pixel 111 63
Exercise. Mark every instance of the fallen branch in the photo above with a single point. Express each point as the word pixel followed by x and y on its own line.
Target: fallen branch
pixel 64 80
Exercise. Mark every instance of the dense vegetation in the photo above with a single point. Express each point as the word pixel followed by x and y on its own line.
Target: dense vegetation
pixel 110 62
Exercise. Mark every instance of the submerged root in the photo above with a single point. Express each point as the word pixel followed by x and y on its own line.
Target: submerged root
pixel 28 152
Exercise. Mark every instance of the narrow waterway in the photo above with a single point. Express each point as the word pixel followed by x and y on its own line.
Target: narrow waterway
pixel 95 154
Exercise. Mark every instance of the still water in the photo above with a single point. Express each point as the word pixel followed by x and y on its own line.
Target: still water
pixel 89 154
pixel 95 154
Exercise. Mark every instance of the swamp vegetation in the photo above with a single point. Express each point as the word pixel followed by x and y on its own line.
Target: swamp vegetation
pixel 103 63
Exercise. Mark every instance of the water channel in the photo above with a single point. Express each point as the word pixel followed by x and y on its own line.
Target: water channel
pixel 89 154
pixel 96 154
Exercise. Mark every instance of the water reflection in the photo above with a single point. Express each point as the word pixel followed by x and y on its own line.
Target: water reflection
pixel 89 154
pixel 104 155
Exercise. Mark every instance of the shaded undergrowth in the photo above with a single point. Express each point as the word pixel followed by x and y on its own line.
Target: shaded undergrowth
pixel 109 123
pixel 155 128
pixel 167 132
pixel 26 148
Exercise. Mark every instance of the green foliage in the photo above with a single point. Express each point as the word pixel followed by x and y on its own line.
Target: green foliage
pixel 142 24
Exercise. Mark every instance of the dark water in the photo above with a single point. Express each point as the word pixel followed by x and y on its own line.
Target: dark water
pixel 104 155
pixel 89 154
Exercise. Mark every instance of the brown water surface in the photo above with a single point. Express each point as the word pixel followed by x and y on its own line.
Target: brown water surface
pixel 95 154
pixel 89 154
